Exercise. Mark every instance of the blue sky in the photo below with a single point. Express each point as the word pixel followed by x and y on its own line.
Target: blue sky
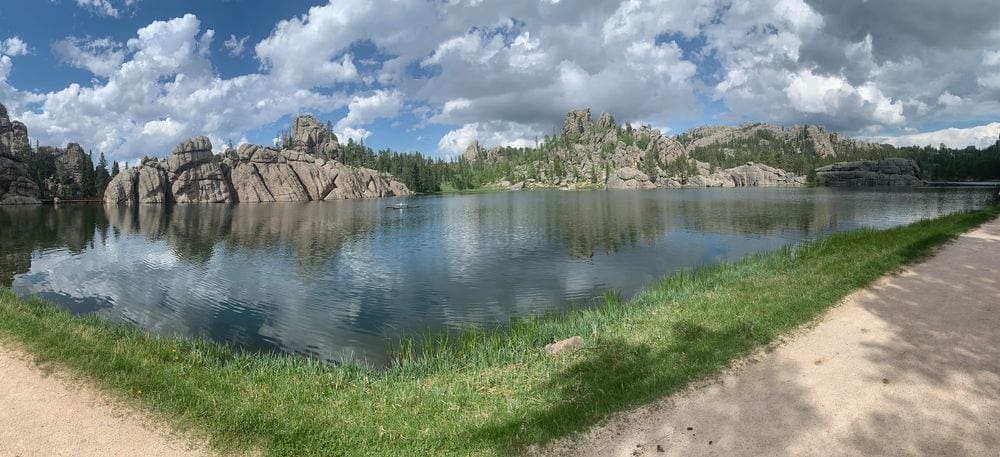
pixel 134 77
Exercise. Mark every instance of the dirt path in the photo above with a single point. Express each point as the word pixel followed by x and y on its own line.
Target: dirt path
pixel 50 415
pixel 910 366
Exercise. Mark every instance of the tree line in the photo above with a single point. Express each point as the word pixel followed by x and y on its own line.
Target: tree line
pixel 83 180
pixel 798 155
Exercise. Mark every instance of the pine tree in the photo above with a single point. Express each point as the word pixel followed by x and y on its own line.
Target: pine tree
pixel 114 169
pixel 102 176
pixel 88 187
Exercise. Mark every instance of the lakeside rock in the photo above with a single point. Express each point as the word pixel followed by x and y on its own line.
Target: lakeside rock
pixel 893 172
pixel 756 175
pixel 568 345
pixel 310 136
pixel 629 178
pixel 194 177
pixel 16 188
pixel 249 174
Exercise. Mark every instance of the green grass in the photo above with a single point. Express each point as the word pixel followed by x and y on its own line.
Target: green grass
pixel 480 393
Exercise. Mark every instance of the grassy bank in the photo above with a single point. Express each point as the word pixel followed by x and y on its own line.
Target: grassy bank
pixel 482 393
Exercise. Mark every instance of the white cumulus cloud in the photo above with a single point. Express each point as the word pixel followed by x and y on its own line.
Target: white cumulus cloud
pixel 236 46
pixel 101 56
pixel 14 46
pixel 981 136
pixel 504 72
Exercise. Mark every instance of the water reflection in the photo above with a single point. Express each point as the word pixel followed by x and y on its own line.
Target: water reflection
pixel 339 279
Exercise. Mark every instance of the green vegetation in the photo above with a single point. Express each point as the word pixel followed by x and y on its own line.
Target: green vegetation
pixel 42 165
pixel 798 155
pixel 482 392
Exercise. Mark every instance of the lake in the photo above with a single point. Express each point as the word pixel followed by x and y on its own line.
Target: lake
pixel 336 280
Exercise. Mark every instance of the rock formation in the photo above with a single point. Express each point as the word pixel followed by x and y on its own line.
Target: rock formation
pixel 310 136
pixel 193 174
pixel 606 121
pixel 629 178
pixel 474 152
pixel 68 163
pixel 249 174
pixel 886 172
pixel 598 154
pixel 577 122
pixel 756 175
pixel 16 188
pixel 822 142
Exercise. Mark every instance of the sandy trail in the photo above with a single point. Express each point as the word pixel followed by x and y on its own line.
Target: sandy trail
pixel 52 415
pixel 910 366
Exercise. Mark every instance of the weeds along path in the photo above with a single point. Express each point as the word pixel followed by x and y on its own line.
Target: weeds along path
pixel 47 414
pixel 909 366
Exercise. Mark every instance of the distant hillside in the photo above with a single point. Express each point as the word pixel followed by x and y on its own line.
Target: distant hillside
pixel 603 153
pixel 590 153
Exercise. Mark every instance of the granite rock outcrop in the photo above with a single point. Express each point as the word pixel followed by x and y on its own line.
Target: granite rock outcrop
pixel 893 172
pixel 248 174
pixel 16 188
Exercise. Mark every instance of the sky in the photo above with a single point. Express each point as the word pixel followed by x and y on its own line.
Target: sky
pixel 134 77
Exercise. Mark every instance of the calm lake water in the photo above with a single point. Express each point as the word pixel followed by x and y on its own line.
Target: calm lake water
pixel 342 279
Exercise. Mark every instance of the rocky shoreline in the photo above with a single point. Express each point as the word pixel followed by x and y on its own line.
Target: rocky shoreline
pixel 252 174
pixel 249 174
pixel 894 172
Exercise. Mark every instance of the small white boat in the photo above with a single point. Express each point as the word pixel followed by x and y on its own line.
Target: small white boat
pixel 403 206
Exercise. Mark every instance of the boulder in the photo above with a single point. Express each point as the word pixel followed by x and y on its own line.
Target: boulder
pixel 248 184
pixel 517 186
pixel 755 175
pixel 194 177
pixel 190 145
pixel 568 345
pixel 362 183
pixel 894 172
pixel 282 182
pixel 317 181
pixel 151 184
pixel 204 183
pixel 629 178
pixel 121 189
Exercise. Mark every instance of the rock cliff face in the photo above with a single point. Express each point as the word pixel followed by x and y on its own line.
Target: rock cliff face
pixel 68 163
pixel 894 172
pixel 15 186
pixel 822 142
pixel 249 174
pixel 310 136
pixel 749 175
pixel 604 154
pixel 755 175
pixel 577 122
pixel 194 176
pixel 629 178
